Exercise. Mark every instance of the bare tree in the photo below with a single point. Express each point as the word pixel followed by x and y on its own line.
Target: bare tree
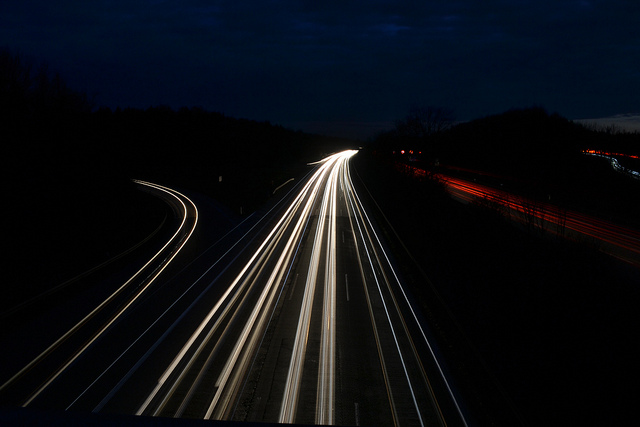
pixel 534 215
pixel 561 221
pixel 21 88
pixel 528 214
pixel 424 122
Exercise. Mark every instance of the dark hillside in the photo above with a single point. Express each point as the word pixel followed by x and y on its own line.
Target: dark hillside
pixel 535 331
pixel 68 170
pixel 533 327
pixel 514 142
pixel 537 155
pixel 540 155
pixel 237 161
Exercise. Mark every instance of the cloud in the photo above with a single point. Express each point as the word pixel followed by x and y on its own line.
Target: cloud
pixel 629 122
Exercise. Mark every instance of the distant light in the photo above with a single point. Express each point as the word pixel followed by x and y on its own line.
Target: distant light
pixel 401 151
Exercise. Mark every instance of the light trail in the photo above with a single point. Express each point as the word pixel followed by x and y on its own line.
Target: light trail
pixel 174 244
pixel 273 259
pixel 365 219
pixel 178 320
pixel 292 387
pixel 326 376
pixel 218 355
pixel 372 316
pixel 230 378
pixel 615 164
pixel 272 299
pixel 623 242
pixel 374 260
pixel 261 309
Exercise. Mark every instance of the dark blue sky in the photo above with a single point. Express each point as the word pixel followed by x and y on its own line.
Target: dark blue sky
pixel 339 66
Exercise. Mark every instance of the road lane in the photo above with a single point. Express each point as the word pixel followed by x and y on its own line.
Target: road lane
pixel 50 363
pixel 297 317
pixel 373 361
pixel 616 240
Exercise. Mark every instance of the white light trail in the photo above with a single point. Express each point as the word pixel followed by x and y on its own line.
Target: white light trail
pixel 326 376
pixel 178 196
pixel 326 383
pixel 252 296
pixel 260 310
pixel 401 287
pixel 233 292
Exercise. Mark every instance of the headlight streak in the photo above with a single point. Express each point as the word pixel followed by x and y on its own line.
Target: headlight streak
pixel 148 281
pixel 372 316
pixel 354 202
pixel 113 391
pixel 84 274
pixel 290 398
pixel 215 361
pixel 351 213
pixel 326 376
pixel 333 175
pixel 325 399
pixel 413 313
pixel 232 287
pixel 261 309
pixel 179 319
pixel 208 374
pixel 248 282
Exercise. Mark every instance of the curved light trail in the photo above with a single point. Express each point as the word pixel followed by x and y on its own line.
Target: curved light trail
pixel 219 355
pixel 221 343
pixel 151 268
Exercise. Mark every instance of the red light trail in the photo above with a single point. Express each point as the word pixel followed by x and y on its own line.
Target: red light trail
pixel 609 154
pixel 616 240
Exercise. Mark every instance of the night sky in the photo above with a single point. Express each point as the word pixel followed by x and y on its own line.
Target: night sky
pixel 338 67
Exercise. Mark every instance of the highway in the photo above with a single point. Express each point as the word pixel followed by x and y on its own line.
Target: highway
pixel 60 347
pixel 616 240
pixel 297 315
pixel 541 216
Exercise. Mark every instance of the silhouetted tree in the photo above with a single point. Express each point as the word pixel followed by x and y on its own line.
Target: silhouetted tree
pixel 424 122
pixel 423 127
pixel 25 95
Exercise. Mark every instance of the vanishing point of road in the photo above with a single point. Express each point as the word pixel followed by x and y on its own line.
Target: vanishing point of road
pixel 295 316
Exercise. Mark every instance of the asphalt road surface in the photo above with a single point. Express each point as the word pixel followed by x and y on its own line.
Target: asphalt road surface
pixel 297 315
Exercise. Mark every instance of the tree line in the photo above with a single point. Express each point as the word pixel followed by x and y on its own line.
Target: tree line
pixel 53 130
pixel 529 152
pixel 68 166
